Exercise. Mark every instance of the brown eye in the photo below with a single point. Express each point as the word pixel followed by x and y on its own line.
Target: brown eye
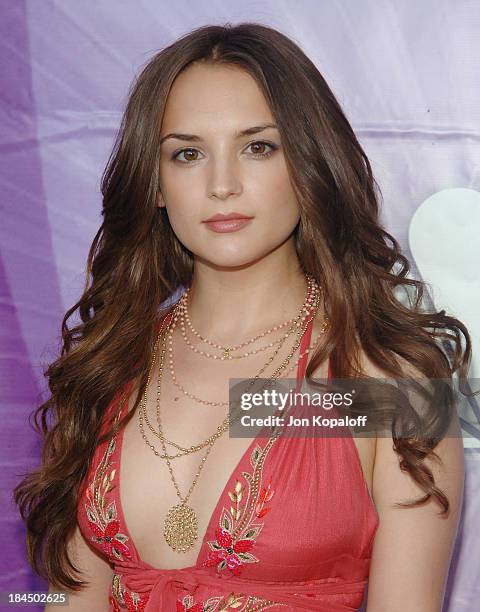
pixel 189 155
pixel 258 148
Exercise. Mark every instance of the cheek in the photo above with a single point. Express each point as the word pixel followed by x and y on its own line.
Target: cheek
pixel 181 198
pixel 184 220
pixel 181 211
pixel 277 200
pixel 274 187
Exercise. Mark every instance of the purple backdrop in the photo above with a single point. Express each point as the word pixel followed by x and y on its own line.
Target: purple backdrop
pixel 406 74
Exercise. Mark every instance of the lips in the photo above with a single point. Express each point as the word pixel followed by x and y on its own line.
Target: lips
pixel 222 224
pixel 228 217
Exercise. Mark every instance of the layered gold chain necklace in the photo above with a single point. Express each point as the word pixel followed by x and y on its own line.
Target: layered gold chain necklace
pixel 181 523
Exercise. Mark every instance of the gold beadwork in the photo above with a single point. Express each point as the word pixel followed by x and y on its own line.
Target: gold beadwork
pixel 181 527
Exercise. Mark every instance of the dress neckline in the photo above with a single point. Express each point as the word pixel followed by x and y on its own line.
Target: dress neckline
pixel 301 367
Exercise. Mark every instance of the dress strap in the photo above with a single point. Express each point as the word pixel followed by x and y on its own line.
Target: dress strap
pixel 302 364
pixel 164 319
pixel 304 344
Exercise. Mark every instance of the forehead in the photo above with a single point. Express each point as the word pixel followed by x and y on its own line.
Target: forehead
pixel 207 95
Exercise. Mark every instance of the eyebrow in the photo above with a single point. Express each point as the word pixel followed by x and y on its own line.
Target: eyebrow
pixel 247 132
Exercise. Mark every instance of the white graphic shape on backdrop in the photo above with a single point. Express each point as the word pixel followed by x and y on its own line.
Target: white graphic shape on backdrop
pixel 444 236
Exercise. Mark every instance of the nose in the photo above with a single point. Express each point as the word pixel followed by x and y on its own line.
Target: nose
pixel 223 180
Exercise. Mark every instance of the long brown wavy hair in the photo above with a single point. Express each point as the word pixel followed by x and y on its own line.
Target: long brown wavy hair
pixel 136 263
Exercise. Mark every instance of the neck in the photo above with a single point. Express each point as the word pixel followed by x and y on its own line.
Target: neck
pixel 233 304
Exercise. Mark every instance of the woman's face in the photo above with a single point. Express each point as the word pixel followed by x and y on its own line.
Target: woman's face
pixel 209 165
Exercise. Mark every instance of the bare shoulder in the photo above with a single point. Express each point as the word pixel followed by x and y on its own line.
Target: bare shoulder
pixel 421 528
pixel 389 481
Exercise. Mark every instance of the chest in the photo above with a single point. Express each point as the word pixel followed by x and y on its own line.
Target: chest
pixel 147 491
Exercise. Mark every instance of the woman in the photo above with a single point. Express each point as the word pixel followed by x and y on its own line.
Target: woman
pixel 298 280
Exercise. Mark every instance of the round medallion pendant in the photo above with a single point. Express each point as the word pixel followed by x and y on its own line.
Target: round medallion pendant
pixel 181 527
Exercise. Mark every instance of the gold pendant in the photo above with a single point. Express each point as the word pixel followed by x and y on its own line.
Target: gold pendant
pixel 181 527
pixel 226 353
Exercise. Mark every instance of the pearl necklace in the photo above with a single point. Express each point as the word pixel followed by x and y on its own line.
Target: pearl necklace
pixel 171 362
pixel 312 290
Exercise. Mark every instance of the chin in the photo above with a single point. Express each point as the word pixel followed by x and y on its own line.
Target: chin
pixel 227 259
pixel 230 261
pixel 236 253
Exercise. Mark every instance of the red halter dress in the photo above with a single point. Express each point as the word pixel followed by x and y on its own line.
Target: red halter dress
pixel 299 538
